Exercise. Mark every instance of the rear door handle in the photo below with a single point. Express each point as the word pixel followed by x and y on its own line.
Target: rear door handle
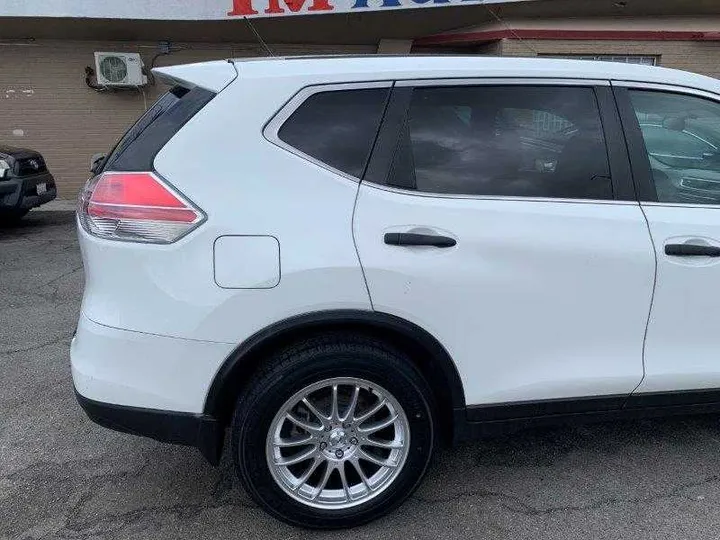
pixel 691 250
pixel 414 239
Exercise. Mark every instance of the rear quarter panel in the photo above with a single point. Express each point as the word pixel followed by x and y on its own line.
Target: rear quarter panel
pixel 246 186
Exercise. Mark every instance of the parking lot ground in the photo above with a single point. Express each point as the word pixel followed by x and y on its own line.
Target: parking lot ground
pixel 61 476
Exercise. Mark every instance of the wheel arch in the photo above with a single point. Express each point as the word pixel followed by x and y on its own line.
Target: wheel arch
pixel 426 351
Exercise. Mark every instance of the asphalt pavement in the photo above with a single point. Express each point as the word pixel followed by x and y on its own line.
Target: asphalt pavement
pixel 61 476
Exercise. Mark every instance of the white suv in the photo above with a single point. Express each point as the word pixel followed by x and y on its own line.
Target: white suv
pixel 340 262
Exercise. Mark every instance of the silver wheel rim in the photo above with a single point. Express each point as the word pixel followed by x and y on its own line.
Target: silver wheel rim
pixel 338 443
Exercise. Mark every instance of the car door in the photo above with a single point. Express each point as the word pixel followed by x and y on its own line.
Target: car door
pixel 680 196
pixel 492 217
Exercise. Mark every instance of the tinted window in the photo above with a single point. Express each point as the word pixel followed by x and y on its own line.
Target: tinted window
pixel 137 149
pixel 504 140
pixel 337 128
pixel 682 139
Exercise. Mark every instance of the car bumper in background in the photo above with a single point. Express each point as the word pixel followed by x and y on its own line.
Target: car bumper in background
pixel 22 193
pixel 147 384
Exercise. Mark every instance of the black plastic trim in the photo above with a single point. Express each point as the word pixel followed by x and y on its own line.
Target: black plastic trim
pixel 620 171
pixel 523 409
pixel 199 430
pixel 691 250
pixel 639 161
pixel 494 419
pixel 308 323
pixel 414 239
pixel 138 153
pixel 386 144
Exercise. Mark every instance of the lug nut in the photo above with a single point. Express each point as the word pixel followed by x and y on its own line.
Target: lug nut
pixel 323 445
pixel 339 454
pixel 353 441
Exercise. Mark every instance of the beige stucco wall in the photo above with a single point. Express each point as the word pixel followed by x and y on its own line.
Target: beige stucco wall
pixel 697 56
pixel 45 104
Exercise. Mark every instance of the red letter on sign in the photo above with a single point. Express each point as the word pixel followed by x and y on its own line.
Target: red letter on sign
pixel 242 7
pixel 297 5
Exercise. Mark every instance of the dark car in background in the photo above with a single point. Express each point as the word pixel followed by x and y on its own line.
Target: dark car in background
pixel 25 182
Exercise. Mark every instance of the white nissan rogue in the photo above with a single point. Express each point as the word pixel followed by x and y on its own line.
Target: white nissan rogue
pixel 341 262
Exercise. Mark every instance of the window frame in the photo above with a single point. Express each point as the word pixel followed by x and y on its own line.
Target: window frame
pixel 271 130
pixel 381 159
pixel 639 160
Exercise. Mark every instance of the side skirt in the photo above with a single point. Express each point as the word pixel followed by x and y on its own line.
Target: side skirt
pixel 487 420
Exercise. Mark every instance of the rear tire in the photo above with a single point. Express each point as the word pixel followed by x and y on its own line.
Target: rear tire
pixel 346 479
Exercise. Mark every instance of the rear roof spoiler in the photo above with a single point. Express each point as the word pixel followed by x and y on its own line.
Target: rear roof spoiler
pixel 213 76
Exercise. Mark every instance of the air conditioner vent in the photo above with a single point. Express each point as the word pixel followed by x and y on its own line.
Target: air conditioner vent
pixel 119 69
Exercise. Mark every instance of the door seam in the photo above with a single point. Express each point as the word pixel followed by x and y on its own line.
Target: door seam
pixel 357 250
pixel 652 302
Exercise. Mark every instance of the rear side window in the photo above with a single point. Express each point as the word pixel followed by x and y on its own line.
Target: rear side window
pixel 337 128
pixel 524 141
pixel 682 140
pixel 137 149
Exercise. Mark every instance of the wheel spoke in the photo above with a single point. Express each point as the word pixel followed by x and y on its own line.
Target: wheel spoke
pixel 307 474
pixel 376 460
pixel 297 458
pixel 349 415
pixel 390 445
pixel 334 413
pixel 320 416
pixel 324 481
pixel 303 425
pixel 379 425
pixel 343 479
pixel 374 410
pixel 287 443
pixel 361 474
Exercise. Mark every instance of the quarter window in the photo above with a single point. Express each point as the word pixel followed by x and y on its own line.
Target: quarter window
pixel 337 128
pixel 525 141
pixel 682 140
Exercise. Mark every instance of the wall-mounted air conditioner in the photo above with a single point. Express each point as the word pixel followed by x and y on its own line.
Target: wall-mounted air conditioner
pixel 119 69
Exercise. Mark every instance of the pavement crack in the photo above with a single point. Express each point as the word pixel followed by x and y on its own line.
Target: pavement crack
pixel 64 274
pixel 59 339
pixel 514 503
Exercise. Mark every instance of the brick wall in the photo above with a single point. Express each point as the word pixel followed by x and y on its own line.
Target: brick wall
pixel 45 104
pixel 697 56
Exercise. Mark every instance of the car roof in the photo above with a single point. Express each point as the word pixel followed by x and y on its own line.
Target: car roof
pixel 379 67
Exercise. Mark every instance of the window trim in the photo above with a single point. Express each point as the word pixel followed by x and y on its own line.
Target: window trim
pixel 639 160
pixel 503 81
pixel 400 97
pixel 271 130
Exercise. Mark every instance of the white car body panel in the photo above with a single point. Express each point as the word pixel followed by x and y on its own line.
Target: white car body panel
pixel 171 291
pixel 213 76
pixel 538 300
pixel 143 370
pixel 681 352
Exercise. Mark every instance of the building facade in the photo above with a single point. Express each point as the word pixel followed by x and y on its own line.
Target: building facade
pixel 49 102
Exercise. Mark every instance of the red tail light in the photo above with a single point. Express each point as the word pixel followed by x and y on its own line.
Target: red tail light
pixel 136 207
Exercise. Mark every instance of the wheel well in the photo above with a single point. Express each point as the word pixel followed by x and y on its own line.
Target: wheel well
pixel 425 351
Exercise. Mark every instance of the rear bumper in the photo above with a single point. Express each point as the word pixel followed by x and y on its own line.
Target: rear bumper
pixel 198 430
pixel 21 193
pixel 148 385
